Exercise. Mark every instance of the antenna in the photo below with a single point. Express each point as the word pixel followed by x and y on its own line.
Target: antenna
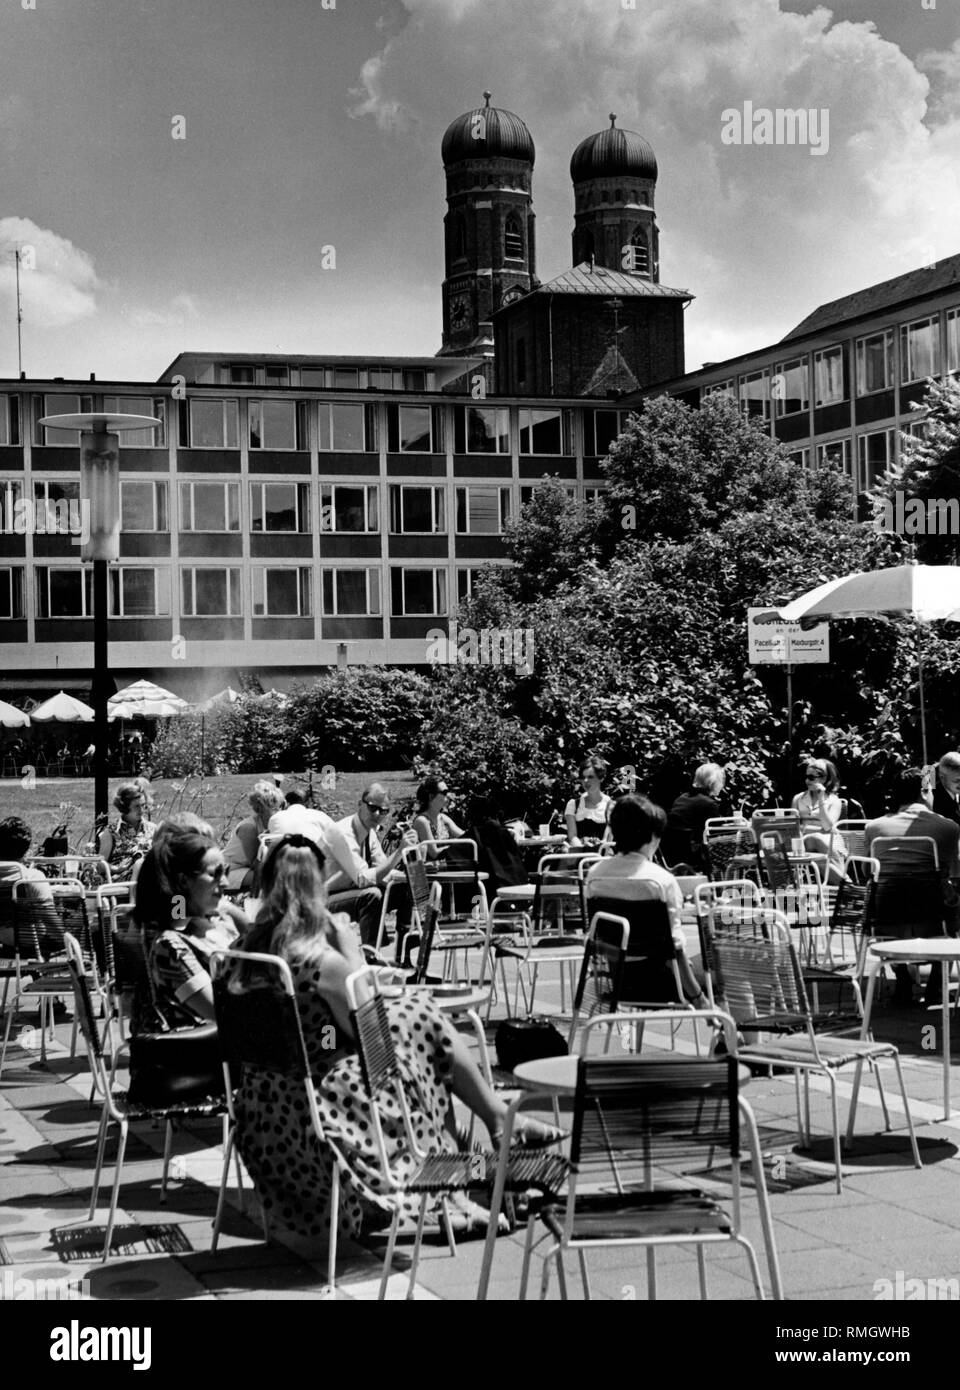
pixel 19 317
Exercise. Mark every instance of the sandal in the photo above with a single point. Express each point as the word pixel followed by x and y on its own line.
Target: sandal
pixel 531 1135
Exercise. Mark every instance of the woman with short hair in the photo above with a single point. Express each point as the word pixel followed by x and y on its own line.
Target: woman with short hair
pixel 124 843
pixel 586 816
pixel 688 816
pixel 242 851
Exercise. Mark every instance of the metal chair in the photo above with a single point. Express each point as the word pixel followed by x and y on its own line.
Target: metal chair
pixel 116 1106
pixel 432 1173
pixel 643 1129
pixel 601 974
pixel 258 1025
pixel 728 842
pixel 760 983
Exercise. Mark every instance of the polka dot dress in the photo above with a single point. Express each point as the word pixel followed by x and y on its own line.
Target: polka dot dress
pixel 292 1172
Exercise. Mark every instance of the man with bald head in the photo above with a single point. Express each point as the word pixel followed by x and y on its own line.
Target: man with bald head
pixel 946 791
pixel 358 863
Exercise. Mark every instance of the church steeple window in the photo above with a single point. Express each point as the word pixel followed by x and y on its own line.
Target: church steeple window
pixel 640 256
pixel 513 238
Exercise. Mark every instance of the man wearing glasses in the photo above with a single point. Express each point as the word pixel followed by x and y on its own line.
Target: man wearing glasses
pixel 946 790
pixel 361 866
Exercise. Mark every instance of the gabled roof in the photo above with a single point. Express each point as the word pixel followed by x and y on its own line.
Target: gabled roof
pixel 929 279
pixel 584 279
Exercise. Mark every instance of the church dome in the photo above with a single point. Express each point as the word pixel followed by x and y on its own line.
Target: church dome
pixel 495 133
pixel 613 153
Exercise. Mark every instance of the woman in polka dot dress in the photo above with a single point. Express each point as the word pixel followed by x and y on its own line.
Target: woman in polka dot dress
pixel 292 1172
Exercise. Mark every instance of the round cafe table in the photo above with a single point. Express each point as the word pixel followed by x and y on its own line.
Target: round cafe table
pixel 911 951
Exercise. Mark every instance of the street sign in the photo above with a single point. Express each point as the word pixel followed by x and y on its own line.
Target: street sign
pixel 771 641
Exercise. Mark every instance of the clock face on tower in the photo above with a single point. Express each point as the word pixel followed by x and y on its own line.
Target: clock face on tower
pixel 459 311
pixel 510 295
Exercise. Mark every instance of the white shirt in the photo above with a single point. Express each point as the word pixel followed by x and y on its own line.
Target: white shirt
pixel 344 847
pixel 626 876
pixel 300 820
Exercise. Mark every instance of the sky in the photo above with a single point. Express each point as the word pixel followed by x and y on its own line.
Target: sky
pixel 311 124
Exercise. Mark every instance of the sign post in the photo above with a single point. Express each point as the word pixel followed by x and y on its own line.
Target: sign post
pixel 772 642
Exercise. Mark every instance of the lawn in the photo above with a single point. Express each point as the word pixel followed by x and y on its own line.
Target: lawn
pixel 221 800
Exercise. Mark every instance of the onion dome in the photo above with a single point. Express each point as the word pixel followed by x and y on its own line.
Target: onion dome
pixel 486 133
pixel 613 153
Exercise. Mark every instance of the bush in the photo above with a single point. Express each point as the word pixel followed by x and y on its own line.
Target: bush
pixel 361 717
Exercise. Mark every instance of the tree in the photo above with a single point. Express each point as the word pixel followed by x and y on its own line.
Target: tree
pixel 927 480
pixel 548 542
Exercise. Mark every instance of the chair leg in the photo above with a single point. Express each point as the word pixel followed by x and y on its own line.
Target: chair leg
pixel 906 1110
pixel 98 1165
pixel 334 1231
pixel 880 1092
pixel 835 1117
pixel 417 1242
pixel 121 1150
pixel 527 1252
pixel 167 1149
pixel 584 1275
pixel 545 1275
pixel 806 1105
pixel 6 1031
pixel 43 1028
pixel 754 1266
pixel 702 1273
pixel 447 1223
pixel 651 1272
pixel 224 1175
pixel 388 1257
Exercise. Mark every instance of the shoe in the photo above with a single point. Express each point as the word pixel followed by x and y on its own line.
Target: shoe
pixel 60 1011
pixel 467 1219
pixel 531 1135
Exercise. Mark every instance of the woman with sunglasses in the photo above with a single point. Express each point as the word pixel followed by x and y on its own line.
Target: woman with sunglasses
pixel 820 808
pixel 291 1171
pixel 432 822
pixel 183 919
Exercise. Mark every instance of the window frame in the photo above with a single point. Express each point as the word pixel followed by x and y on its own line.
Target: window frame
pixel 161 591
pixel 17 584
pixel 228 425
pixel 785 369
pixel 72 437
pixel 763 400
pixel 11 436
pixel 232 589
pixel 953 339
pixel 561 413
pixel 42 574
pixel 326 440
pixel 188 485
pixel 303 508
pixel 500 437
pixel 256 413
pixel 462 497
pixel 328 580
pixel 259 590
pixel 131 405
pixel 161 508
pixel 889 367
pixel 890 436
pixel 845 444
pixel 821 374
pixel 328 509
pixel 398 492
pixel 906 329
pixel 439 583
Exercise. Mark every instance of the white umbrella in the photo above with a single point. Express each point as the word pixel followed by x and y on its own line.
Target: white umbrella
pixel 229 696
pixel 144 700
pixel 64 708
pixel 13 718
pixel 926 593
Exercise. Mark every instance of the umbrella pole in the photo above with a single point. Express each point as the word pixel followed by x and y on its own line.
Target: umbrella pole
pixel 923 706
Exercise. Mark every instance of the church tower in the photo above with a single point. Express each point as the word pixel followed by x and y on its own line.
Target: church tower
pixel 489 248
pixel 614 181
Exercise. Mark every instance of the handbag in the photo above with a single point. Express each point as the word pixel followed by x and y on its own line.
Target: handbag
pixel 174 1066
pixel 527 1039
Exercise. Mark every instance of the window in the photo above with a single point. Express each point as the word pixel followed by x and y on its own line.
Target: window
pixel 282 593
pixel 828 376
pixel 210 593
pixel 140 405
pixel 416 511
pixel 836 454
pixel 481 430
pixel 467 577
pixel 312 376
pixel 63 405
pixel 521 360
pixel 416 379
pixel 721 388
pixel 137 592
pixel 527 492
pixel 349 428
pixel 916 429
pixel 64 593
pixel 53 501
pixel 239 374
pixel 875 453
pixel 544 431
pixel 209 506
pixel 11 592
pixel 346 378
pixel 800 458
pixel 276 375
pixel 953 342
pixel 417 593
pixel 353 593
pixel 278 424
pixel 414 429
pixel 482 511
pixel 593 494
pixel 639 254
pixel 513 238
pixel 11 490
pixel 381 378
pixel 875 362
pixel 458 237
pixel 345 508
pixel 755 395
pixel 9 420
pixel 143 506
pixel 214 424
pixel 920 349
pixel 280 507
pixel 790 387
pixel 601 428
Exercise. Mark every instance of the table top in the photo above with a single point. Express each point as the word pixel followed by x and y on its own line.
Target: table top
pixel 455 875
pixel 448 998
pixel 918 948
pixel 558 1075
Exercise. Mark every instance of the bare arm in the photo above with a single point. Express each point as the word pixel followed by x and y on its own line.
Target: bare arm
pixel 341 957
pixel 425 832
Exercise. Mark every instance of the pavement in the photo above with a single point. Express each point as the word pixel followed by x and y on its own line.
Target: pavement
pixel 891 1224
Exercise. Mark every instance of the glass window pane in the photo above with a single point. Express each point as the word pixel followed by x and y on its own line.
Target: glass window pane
pixel 6 594
pixel 139 593
pixel 349 514
pixel 283 592
pixel 346 377
pixel 419 592
pixel 953 340
pixel 137 511
pixel 208 507
pixel 61 405
pixel 485 510
pixel 352 591
pixel 415 436
pixel 828 374
pixel 279 424
pixel 487 431
pixel 789 387
pixel 347 427
pixel 6 432
pixel 921 342
pixel 211 591
pixel 540 432
pixel 280 506
pixel 66 593
pixel 137 405
pixel 207 425
pixel 311 376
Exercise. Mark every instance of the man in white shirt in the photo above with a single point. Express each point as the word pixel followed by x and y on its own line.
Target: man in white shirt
pixel 358 866
pixel 297 819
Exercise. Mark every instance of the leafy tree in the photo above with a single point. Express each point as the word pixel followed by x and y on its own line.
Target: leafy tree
pixel 548 542
pixel 928 473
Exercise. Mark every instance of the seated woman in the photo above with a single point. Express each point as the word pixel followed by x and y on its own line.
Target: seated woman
pixel 586 818
pixel 683 837
pixel 291 1171
pixel 129 838
pixel 243 848
pixel 820 808
pixel 431 821
pixel 180 911
pixel 637 825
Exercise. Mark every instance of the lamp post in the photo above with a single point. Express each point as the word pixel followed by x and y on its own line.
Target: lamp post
pixel 100 490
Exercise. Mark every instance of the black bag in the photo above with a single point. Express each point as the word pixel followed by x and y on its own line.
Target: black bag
pixel 176 1067
pixel 525 1040
pixel 57 844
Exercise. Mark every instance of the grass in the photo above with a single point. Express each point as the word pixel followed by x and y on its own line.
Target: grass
pixel 222 800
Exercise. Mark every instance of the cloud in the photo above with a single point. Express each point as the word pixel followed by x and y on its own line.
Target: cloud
pixel 183 310
pixel 760 234
pixel 58 283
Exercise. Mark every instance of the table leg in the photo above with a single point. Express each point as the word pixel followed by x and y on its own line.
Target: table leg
pixel 944 974
pixel 875 967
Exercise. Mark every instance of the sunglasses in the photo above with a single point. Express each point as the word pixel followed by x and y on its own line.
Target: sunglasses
pixel 377 810
pixel 815 776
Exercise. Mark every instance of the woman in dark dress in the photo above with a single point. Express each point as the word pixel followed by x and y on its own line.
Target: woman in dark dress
pixel 683 837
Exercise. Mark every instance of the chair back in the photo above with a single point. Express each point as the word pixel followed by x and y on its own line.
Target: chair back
pixel 83 1007
pixel 601 970
pixel 757 976
pixel 258 1024
pixel 905 854
pixel 428 931
pixel 724 838
pixel 651 936
pixel 853 833
pixel 419 883
pixel 69 865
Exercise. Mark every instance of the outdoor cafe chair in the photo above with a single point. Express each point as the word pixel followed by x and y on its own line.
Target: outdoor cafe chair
pixel 644 1130
pixel 759 982
pixel 433 1172
pixel 601 973
pixel 116 1106
pixel 728 845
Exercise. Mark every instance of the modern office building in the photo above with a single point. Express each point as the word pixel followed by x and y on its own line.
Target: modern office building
pixel 293 513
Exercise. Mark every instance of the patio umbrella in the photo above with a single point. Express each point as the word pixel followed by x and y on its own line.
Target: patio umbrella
pixel 926 593
pixel 64 708
pixel 13 718
pixel 144 700
pixel 229 696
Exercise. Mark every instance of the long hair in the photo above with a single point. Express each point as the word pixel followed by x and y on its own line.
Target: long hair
pixel 293 921
pixel 176 850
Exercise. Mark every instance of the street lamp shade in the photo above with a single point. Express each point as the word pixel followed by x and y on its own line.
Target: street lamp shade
pixel 97 422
